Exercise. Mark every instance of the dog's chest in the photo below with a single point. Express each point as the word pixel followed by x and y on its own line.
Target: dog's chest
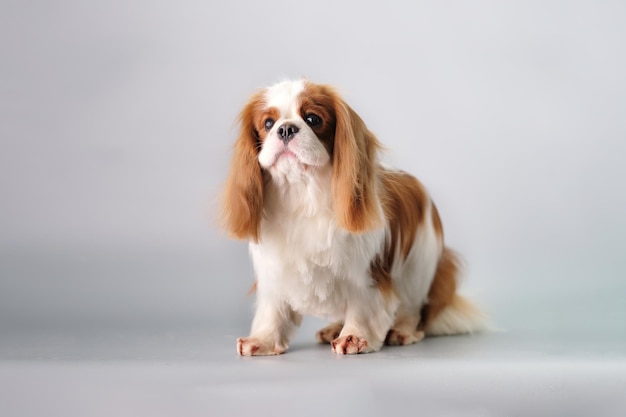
pixel 306 260
pixel 308 244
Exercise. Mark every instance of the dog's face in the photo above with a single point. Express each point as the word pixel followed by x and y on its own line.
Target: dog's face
pixel 292 129
pixel 296 128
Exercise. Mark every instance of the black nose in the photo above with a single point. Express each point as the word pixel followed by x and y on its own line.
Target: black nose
pixel 287 132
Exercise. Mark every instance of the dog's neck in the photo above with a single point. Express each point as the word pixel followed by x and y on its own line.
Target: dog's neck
pixel 298 194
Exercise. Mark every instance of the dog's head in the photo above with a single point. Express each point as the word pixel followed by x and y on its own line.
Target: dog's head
pixel 290 130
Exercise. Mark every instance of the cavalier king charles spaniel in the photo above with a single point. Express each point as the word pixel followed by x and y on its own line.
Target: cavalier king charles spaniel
pixel 333 233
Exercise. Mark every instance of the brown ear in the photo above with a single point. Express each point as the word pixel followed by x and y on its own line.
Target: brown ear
pixel 354 172
pixel 243 196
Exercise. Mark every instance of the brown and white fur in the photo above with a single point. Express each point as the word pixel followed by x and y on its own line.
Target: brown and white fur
pixel 333 233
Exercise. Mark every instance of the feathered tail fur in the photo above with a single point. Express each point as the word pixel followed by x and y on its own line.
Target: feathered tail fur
pixel 448 313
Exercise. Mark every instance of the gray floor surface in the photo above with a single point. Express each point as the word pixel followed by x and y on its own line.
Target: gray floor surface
pixel 130 372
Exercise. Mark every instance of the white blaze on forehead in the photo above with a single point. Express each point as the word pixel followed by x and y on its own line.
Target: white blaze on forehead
pixel 284 97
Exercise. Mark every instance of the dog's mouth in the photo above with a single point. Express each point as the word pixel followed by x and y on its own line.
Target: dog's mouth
pixel 294 157
pixel 287 163
pixel 286 153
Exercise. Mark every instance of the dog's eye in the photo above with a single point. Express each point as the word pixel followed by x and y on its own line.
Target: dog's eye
pixel 312 120
pixel 269 123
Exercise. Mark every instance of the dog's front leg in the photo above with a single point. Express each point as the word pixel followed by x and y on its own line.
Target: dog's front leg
pixel 368 318
pixel 272 327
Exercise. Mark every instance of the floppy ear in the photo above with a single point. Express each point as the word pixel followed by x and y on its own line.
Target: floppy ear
pixel 354 174
pixel 243 196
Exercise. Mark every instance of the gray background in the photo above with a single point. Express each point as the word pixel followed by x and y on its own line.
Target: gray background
pixel 116 121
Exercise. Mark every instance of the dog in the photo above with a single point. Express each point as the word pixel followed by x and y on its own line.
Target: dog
pixel 333 233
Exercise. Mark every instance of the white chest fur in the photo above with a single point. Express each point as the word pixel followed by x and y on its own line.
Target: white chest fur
pixel 303 258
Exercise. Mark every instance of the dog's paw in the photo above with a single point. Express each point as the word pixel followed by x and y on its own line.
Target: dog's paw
pixel 252 346
pixel 329 333
pixel 396 337
pixel 349 345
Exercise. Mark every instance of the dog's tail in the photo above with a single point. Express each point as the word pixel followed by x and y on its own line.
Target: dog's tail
pixel 448 313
